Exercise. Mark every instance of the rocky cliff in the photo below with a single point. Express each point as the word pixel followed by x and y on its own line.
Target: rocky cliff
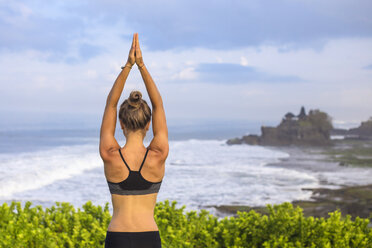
pixel 364 131
pixel 304 129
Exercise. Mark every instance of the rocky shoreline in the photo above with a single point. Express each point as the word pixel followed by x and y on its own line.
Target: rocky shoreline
pixel 354 200
pixel 312 129
pixel 350 200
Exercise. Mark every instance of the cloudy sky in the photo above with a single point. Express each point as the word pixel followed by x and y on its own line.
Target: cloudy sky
pixel 211 60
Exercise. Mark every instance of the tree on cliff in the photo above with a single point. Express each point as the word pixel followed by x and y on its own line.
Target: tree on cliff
pixel 320 121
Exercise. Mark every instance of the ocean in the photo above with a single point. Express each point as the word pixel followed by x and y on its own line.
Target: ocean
pixel 48 165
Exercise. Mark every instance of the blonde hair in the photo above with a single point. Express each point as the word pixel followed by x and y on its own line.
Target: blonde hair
pixel 134 112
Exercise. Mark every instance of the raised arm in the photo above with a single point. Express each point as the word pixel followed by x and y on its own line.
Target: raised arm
pixel 108 142
pixel 159 125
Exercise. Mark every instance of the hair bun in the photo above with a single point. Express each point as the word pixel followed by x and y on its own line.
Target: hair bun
pixel 135 98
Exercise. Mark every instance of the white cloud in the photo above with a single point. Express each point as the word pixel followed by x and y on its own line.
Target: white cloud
pixel 185 74
pixel 219 60
pixel 335 80
pixel 243 61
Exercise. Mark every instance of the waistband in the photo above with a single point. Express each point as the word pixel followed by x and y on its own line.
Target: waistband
pixel 133 233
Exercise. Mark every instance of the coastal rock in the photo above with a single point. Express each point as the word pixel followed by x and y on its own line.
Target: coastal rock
pixel 246 139
pixel 355 201
pixel 364 131
pixel 304 129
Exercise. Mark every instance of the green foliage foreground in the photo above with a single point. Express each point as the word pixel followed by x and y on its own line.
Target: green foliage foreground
pixel 285 226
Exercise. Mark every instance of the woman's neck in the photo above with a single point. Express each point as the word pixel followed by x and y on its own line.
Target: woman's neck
pixel 134 140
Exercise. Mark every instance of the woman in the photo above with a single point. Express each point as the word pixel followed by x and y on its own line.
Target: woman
pixel 134 172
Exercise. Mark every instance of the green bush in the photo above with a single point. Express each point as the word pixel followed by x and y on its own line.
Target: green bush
pixel 285 226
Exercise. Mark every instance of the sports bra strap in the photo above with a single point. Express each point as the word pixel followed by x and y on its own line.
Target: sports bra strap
pixel 124 160
pixel 147 150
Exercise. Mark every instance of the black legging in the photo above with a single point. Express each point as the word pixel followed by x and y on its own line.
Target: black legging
pixel 148 239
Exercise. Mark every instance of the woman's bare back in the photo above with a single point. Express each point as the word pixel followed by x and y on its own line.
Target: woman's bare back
pixel 134 213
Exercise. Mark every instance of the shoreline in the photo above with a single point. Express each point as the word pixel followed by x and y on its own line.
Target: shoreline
pixel 355 200
pixel 352 200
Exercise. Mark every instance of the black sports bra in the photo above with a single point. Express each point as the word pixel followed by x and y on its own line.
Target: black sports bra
pixel 134 184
